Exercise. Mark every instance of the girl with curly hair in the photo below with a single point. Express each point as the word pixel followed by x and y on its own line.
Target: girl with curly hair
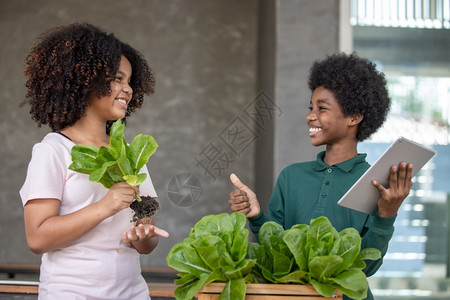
pixel 80 80
pixel 349 103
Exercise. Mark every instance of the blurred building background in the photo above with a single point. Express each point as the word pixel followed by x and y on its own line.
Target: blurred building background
pixel 410 42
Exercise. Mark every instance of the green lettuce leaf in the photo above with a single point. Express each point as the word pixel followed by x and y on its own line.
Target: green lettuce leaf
pixel 190 287
pixel 352 283
pixel 85 159
pixel 323 267
pixel 321 256
pixel 234 289
pixel 215 250
pixel 140 150
pixel 185 258
pixel 295 239
pixel 117 163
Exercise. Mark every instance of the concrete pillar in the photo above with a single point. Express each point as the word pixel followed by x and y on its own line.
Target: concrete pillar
pixel 292 34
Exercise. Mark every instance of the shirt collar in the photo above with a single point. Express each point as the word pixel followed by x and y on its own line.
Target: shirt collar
pixel 345 166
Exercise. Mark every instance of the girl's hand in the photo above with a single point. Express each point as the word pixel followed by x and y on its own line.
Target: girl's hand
pixel 142 233
pixel 399 187
pixel 119 197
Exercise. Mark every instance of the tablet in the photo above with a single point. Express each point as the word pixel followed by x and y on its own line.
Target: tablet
pixel 363 196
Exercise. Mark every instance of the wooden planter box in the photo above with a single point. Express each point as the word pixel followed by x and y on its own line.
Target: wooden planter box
pixel 256 291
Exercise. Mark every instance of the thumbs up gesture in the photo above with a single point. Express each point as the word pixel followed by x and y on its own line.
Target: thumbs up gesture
pixel 243 199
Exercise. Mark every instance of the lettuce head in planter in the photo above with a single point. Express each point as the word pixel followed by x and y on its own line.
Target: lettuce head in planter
pixel 117 163
pixel 215 250
pixel 313 254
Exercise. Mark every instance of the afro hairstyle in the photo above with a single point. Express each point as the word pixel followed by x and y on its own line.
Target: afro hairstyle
pixel 68 64
pixel 358 87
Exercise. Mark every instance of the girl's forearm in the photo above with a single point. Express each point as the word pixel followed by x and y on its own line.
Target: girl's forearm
pixel 47 231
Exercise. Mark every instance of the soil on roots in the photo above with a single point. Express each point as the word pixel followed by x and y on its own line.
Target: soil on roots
pixel 145 208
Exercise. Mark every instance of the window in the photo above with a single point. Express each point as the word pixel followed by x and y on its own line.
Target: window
pixel 409 40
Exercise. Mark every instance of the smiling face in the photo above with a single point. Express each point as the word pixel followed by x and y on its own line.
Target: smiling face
pixel 113 106
pixel 326 121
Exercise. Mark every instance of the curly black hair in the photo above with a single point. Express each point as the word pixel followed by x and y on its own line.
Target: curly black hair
pixel 358 87
pixel 69 63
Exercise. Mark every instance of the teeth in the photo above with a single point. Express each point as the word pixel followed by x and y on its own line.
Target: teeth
pixel 315 129
pixel 122 101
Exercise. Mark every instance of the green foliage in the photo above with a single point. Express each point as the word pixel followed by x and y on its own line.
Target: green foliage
pixel 120 162
pixel 215 250
pixel 316 254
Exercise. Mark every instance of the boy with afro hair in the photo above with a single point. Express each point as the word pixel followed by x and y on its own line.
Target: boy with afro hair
pixel 349 103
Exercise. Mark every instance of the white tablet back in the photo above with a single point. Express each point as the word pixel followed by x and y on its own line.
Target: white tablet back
pixel 363 196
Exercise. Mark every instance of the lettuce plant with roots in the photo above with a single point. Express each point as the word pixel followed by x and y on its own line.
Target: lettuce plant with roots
pixel 120 162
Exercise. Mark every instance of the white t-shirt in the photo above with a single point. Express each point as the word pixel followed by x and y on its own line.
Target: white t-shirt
pixel 98 265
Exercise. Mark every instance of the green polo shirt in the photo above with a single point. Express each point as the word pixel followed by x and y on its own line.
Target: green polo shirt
pixel 307 190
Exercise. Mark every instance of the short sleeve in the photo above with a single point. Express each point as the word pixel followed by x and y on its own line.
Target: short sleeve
pixel 45 174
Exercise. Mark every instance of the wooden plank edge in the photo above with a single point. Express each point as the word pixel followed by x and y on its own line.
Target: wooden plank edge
pixel 269 288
